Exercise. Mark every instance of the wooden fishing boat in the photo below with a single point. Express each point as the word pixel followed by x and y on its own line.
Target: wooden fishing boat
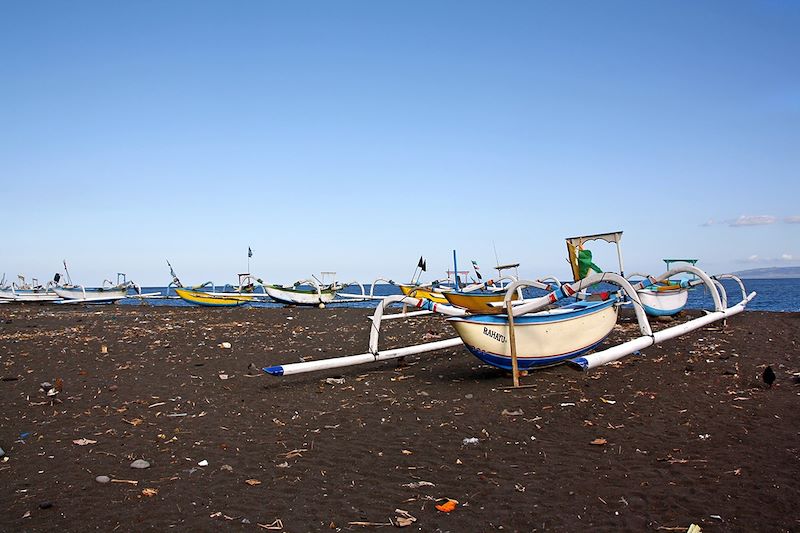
pixel 532 334
pixel 427 292
pixel 315 291
pixel 24 292
pixel 210 299
pixel 297 295
pixel 543 338
pixel 665 298
pixel 106 293
pixel 477 301
pixel 79 293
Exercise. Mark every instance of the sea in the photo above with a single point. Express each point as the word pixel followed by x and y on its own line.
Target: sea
pixel 780 295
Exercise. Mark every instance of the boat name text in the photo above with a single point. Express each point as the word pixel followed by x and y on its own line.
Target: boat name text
pixel 499 337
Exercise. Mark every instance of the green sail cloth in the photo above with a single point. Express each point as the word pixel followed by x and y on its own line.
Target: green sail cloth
pixel 585 264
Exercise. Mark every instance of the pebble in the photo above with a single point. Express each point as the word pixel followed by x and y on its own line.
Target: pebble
pixel 45 505
pixel 102 479
pixel 468 396
pixel 2 453
pixel 140 463
pixel 112 388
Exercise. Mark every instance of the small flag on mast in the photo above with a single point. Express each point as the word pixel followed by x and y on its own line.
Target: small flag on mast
pixel 249 252
pixel 477 270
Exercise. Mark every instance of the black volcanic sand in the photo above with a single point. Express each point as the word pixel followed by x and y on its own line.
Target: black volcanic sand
pixel 688 431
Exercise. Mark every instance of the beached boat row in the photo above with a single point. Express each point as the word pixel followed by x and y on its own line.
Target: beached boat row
pixel 566 324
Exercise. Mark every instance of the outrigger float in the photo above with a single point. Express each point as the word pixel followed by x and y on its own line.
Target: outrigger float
pixel 534 333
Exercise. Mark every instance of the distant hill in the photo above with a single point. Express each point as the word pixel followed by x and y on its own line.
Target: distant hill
pixel 769 273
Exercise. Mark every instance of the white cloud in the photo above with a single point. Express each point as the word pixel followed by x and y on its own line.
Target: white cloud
pixel 757 259
pixel 794 219
pixel 753 220
pixel 709 222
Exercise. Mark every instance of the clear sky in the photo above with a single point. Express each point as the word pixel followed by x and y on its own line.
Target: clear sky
pixel 358 135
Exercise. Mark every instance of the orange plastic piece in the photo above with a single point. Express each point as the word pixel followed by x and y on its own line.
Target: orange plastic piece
pixel 446 505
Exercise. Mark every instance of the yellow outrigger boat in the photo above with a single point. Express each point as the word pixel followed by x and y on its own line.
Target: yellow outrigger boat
pixel 428 293
pixel 210 299
pixel 478 302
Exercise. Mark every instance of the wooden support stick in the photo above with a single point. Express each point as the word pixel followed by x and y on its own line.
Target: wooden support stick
pixel 512 340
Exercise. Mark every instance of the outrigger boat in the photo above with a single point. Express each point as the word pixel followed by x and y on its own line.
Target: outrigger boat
pixel 32 292
pixel 665 298
pixel 433 291
pixel 106 293
pixel 307 292
pixel 25 292
pixel 669 297
pixel 194 295
pixel 534 334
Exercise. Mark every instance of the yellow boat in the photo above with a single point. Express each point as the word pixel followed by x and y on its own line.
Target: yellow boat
pixel 427 293
pixel 211 299
pixel 478 302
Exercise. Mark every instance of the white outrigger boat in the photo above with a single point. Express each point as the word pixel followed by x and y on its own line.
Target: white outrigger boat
pixel 668 297
pixel 532 333
pixel 312 291
pixel 108 292
pixel 24 292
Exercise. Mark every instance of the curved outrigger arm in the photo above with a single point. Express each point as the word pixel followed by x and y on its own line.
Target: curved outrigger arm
pixel 372 287
pixel 721 311
pixel 420 303
pixel 737 280
pixel 374 355
pixel 689 269
pixel 571 289
pixel 312 282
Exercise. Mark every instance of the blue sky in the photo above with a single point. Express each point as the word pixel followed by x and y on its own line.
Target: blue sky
pixel 356 136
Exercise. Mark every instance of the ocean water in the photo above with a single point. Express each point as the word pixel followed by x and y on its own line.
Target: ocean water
pixel 782 295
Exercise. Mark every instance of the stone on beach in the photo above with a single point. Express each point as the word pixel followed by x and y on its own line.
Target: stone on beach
pixel 140 464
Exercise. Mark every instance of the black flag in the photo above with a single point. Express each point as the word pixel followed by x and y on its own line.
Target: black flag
pixel 249 252
pixel 424 266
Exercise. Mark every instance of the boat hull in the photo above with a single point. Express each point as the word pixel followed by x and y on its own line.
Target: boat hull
pixel 542 339
pixel 210 299
pixel 428 294
pixel 29 296
pixel 291 296
pixel 92 295
pixel 663 302
pixel 477 302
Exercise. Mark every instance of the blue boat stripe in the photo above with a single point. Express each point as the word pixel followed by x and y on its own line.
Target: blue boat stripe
pixel 576 309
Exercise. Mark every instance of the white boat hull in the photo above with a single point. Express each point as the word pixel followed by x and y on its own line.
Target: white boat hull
pixel 300 297
pixel 92 295
pixel 26 295
pixel 663 303
pixel 542 339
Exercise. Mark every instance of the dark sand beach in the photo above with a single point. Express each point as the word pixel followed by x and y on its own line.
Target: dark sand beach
pixel 686 432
